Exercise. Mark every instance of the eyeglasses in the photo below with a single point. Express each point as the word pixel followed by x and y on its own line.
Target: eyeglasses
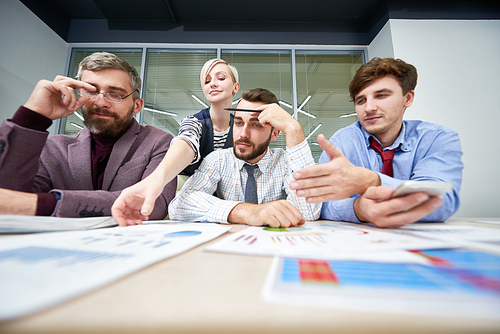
pixel 110 97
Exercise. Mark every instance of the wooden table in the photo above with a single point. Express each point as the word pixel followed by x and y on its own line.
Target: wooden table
pixel 205 292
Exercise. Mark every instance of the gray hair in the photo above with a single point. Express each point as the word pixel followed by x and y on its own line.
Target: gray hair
pixel 104 60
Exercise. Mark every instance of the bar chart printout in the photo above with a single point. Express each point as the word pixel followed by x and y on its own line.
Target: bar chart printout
pixel 453 283
pixel 320 241
pixel 42 270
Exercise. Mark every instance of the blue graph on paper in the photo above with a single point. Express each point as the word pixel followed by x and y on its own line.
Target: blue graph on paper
pixel 41 270
pixel 36 254
pixel 451 271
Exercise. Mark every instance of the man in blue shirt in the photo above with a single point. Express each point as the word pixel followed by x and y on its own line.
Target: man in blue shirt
pixel 351 179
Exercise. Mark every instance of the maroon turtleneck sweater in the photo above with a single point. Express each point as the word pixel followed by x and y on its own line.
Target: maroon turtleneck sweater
pixel 100 151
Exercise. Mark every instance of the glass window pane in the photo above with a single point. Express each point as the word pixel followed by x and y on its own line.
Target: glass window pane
pixel 74 122
pixel 172 85
pixel 268 69
pixel 323 80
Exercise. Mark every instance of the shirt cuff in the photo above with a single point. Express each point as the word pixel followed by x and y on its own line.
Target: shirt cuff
pixel 299 156
pixel 386 180
pixel 46 204
pixel 341 210
pixel 220 212
pixel 30 119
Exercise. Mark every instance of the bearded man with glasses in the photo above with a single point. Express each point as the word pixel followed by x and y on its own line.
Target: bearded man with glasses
pixel 81 175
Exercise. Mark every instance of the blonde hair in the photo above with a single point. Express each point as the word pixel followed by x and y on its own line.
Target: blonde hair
pixel 211 63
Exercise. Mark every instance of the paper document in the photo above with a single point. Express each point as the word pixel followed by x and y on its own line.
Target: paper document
pixel 454 283
pixel 319 241
pixel 469 236
pixel 30 224
pixel 497 222
pixel 42 270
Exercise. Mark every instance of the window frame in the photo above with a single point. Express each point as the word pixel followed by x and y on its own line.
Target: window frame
pixel 220 48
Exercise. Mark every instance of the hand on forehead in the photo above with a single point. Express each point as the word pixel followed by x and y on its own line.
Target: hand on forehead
pixel 248 115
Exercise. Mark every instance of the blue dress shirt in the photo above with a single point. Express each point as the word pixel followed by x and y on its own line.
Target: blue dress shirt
pixel 425 152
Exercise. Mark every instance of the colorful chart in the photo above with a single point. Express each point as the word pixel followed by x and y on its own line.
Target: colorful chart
pixel 286 229
pixel 248 239
pixel 353 232
pixel 182 234
pixel 41 270
pixel 320 241
pixel 297 238
pixel 62 257
pixel 452 271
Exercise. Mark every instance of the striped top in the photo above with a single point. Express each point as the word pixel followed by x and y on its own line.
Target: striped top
pixel 220 138
pixel 190 131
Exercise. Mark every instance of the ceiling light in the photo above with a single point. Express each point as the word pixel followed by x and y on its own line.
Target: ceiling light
pixel 76 125
pixel 314 130
pixel 78 115
pixel 348 115
pixel 199 101
pixel 169 113
pixel 306 113
pixel 299 110
pixel 305 101
pixel 285 104
pixel 236 101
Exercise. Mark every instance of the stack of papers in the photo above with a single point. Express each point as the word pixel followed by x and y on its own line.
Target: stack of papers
pixel 454 283
pixel 324 240
pixel 420 269
pixel 30 224
pixel 42 270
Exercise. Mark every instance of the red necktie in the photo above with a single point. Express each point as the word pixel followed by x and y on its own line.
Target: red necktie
pixel 386 156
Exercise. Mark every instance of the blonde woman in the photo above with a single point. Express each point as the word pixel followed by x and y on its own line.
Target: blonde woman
pixel 199 134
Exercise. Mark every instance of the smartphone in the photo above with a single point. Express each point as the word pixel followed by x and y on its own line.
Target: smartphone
pixel 432 188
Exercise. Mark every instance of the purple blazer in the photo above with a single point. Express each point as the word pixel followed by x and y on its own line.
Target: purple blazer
pixel 30 161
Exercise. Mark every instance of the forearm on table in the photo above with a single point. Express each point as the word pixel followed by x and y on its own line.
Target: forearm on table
pixel 200 206
pixel 84 203
pixel 240 212
pixel 17 202
pixel 76 203
pixel 341 210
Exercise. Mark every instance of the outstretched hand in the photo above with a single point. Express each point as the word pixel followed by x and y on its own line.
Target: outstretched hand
pixel 56 99
pixel 334 180
pixel 136 203
pixel 376 206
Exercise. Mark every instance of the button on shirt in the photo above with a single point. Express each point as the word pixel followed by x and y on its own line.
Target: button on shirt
pixel 221 171
pixel 425 152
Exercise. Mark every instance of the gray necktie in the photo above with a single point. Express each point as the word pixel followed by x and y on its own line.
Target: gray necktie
pixel 251 186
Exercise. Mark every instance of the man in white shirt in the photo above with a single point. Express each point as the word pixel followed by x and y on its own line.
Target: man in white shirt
pixel 224 171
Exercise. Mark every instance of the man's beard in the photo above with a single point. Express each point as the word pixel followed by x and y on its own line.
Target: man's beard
pixel 260 149
pixel 106 127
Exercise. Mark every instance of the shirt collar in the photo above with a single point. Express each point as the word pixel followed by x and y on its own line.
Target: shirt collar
pixel 262 163
pixel 400 141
